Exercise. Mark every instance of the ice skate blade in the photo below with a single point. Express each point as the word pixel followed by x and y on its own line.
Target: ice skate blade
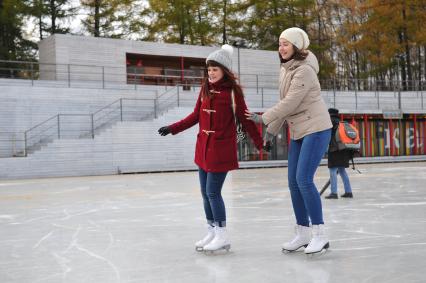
pixel 285 251
pixel 317 254
pixel 199 249
pixel 224 248
pixel 320 252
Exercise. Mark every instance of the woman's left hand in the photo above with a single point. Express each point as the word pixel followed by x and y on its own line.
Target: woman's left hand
pixel 254 117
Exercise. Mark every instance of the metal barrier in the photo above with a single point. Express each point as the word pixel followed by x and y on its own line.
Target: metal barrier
pixel 62 126
pixel 127 77
pixel 76 126
pixel 344 94
pixel 12 144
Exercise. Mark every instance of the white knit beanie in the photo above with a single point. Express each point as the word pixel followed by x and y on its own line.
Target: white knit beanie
pixel 297 37
pixel 222 56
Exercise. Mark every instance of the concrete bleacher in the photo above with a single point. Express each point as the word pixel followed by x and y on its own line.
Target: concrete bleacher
pixel 375 102
pixel 101 121
pixel 129 143
pixel 126 147
pixel 23 107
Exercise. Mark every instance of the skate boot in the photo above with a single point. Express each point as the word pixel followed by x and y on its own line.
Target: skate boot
pixel 199 246
pixel 302 239
pixel 219 242
pixel 332 196
pixel 319 240
pixel 347 195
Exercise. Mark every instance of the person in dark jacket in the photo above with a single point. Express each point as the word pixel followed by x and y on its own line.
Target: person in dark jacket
pixel 216 147
pixel 338 160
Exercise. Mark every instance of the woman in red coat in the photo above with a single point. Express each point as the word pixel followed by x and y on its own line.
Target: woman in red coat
pixel 216 148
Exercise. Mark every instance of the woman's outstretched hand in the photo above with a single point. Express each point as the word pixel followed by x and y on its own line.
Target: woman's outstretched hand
pixel 254 117
pixel 164 131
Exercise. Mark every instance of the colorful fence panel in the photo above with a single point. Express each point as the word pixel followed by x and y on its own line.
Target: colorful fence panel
pixel 379 137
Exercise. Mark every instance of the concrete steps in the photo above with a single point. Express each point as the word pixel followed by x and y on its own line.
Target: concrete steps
pixel 126 147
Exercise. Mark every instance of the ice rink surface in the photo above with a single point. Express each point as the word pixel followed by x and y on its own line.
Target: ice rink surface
pixel 142 228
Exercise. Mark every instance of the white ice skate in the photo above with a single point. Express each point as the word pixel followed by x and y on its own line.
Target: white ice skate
pixel 319 240
pixel 219 242
pixel 199 246
pixel 302 239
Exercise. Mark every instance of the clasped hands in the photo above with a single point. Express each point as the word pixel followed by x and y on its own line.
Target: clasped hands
pixel 254 117
pixel 268 138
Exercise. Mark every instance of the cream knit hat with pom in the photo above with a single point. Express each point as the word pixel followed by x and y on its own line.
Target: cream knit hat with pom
pixel 297 37
pixel 222 56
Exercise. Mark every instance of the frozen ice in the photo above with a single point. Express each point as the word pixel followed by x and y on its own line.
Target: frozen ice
pixel 142 228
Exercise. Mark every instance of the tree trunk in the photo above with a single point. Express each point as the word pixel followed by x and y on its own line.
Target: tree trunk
pixel 52 16
pixel 96 31
pixel 190 26
pixel 320 55
pixel 40 27
pixel 402 64
pixel 357 67
pixel 357 64
pixel 275 10
pixel 38 14
pixel 292 16
pixel 419 70
pixel 202 40
pixel 424 57
pixel 181 22
pixel 407 53
pixel 2 29
pixel 224 38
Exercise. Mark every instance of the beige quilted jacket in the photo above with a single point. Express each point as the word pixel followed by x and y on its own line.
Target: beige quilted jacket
pixel 301 104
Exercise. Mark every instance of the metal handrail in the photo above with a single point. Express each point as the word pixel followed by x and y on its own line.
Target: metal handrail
pixel 42 132
pixel 28 136
pixel 24 62
pixel 107 106
pixel 166 100
pixel 101 117
pixel 40 123
pixel 105 115
pixel 259 80
pixel 167 91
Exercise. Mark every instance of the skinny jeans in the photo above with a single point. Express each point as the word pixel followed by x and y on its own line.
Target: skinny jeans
pixel 303 160
pixel 211 189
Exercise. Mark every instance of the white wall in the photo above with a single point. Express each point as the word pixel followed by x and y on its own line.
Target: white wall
pixel 111 53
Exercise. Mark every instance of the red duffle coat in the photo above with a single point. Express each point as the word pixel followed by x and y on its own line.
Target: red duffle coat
pixel 216 148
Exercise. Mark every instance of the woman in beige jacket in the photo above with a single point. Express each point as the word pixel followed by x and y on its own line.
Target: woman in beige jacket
pixel 302 106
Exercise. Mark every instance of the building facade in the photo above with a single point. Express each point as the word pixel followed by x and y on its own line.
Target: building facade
pixel 116 61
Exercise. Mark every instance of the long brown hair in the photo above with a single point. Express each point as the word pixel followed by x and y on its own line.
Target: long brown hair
pixel 228 77
pixel 299 55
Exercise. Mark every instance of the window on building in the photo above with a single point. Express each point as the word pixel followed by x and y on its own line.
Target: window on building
pixel 164 70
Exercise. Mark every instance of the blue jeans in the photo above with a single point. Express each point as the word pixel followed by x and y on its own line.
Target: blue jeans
pixel 211 189
pixel 333 179
pixel 304 158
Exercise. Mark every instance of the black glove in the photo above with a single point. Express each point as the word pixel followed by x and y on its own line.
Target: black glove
pixel 164 131
pixel 267 146
pixel 268 137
